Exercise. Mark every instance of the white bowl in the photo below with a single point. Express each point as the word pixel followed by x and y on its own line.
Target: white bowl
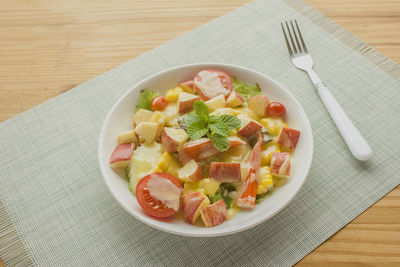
pixel 120 119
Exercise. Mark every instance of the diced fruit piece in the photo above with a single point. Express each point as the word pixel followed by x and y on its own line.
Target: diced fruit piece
pixel 168 163
pixel 258 104
pixel 159 103
pixel 172 94
pixel 207 186
pixel 148 131
pixel 121 155
pixel 159 194
pixel 142 115
pixel 248 127
pixel 267 152
pixel 214 214
pixel 248 191
pixel 215 103
pixel 211 83
pixel 234 100
pixel 203 148
pixel 183 157
pixel 264 180
pixel 288 137
pixel 225 172
pixel 170 112
pixel 144 161
pixel 276 109
pixel 280 163
pixel 273 125
pixel 192 204
pixel 186 101
pixel 172 139
pixel 158 117
pixel 190 172
pixel 127 137
pixel 187 86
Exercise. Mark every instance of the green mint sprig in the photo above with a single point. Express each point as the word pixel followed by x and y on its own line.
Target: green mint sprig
pixel 200 123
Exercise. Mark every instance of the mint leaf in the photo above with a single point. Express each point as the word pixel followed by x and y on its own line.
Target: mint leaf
pixel 196 130
pixel 220 142
pixel 219 127
pixel 189 118
pixel 231 121
pixel 146 96
pixel 245 89
pixel 201 110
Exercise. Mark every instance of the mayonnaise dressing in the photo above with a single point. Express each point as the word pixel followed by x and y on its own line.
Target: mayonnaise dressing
pixel 165 191
pixel 210 84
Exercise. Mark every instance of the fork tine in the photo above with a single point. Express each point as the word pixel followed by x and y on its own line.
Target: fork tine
pixel 295 37
pixel 287 42
pixel 301 37
pixel 291 38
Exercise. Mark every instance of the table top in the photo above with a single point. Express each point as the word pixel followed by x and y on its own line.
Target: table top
pixel 48 47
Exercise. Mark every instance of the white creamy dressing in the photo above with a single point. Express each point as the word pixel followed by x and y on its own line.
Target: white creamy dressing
pixel 210 84
pixel 165 191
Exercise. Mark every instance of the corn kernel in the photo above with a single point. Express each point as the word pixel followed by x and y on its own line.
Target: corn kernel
pixel 172 94
pixel 264 180
pixel 267 152
pixel 273 125
pixel 210 186
pixel 168 163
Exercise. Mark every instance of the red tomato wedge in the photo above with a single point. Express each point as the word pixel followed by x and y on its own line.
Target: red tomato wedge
pixel 247 197
pixel 211 83
pixel 276 109
pixel 158 185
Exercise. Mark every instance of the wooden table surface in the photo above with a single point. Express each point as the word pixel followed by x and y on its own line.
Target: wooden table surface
pixel 48 47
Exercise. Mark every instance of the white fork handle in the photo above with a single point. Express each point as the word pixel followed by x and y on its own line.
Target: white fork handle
pixel 354 140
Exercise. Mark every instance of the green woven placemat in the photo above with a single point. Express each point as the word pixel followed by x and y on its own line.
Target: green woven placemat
pixel 56 210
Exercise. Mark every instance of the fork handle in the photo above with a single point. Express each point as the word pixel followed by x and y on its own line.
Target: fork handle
pixel 354 140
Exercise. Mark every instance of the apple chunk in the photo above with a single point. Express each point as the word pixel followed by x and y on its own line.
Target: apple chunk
pixel 203 148
pixel 215 103
pixel 248 127
pixel 187 86
pixel 127 137
pixel 258 104
pixel 280 164
pixel 214 214
pixel 225 172
pixel 190 172
pixel 192 204
pixel 172 139
pixel 234 99
pixel 121 156
pixel 186 101
pixel 142 115
pixel 288 137
pixel 148 131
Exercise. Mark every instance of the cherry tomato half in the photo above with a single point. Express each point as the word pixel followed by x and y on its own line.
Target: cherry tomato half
pixel 150 204
pixel 208 93
pixel 276 109
pixel 159 103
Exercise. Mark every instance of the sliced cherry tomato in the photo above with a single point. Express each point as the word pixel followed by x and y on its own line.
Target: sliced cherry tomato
pixel 207 93
pixel 149 203
pixel 276 109
pixel 159 103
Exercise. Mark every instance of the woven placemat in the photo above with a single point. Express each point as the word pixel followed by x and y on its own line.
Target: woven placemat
pixel 55 208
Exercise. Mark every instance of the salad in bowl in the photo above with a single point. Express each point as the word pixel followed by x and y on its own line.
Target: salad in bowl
pixel 210 147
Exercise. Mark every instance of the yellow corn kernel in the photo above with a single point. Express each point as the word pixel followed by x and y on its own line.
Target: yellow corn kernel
pixel 267 152
pixel 210 186
pixel 264 180
pixel 168 163
pixel 172 94
pixel 273 125
pixel 232 212
pixel 190 187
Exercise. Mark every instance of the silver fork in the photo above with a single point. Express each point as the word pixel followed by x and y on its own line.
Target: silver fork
pixel 302 60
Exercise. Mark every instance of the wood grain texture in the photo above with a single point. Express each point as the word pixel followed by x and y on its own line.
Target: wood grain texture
pixel 48 47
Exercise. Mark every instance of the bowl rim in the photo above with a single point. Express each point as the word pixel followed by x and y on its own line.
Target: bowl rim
pixel 204 64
